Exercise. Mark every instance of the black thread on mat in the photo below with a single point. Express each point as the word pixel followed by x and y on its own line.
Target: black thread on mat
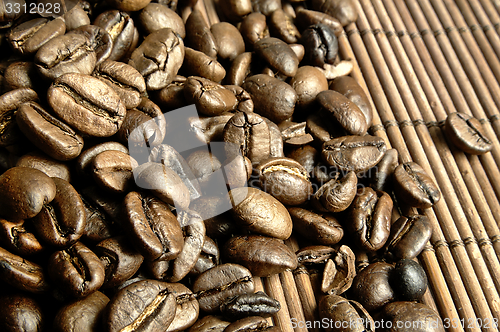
pixel 439 32
pixel 450 29
pixel 428 248
pixel 484 242
pixel 464 29
pixel 402 33
pixel 352 32
pixel 390 34
pixel 362 33
pixel 431 124
pixel 495 239
pixel 424 32
pixel 376 128
pixel 483 121
pixel 494 117
pixel 469 240
pixel 390 123
pixel 414 35
pixel 440 243
pixel 456 243
pixel 405 123
pixel 419 122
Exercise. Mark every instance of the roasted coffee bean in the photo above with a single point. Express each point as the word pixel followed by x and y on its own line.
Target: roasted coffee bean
pixel 199 36
pixel 281 26
pixel 121 261
pixel 262 255
pixel 215 213
pixel 408 237
pixel 321 45
pixel 139 129
pixel 155 16
pixel 467 133
pixel 416 316
pixel 228 39
pixel 113 171
pixel 294 133
pixel 339 272
pixel 47 165
pixel 321 228
pixel 209 257
pixel 278 55
pixel 408 280
pixel 7 17
pixel 253 28
pixel 245 102
pixel 164 183
pixel 197 63
pixel 155 112
pixel 370 218
pixel 206 167
pixel 272 98
pixel 306 155
pixel 21 74
pixel 172 96
pixel 414 186
pixel 209 97
pixel 85 160
pixel 209 128
pixel 86 104
pixel 124 79
pixel 21 313
pixel 343 10
pixel 354 153
pixel 24 191
pixel 285 179
pixel 322 127
pixel 120 27
pixel 256 304
pixel 145 305
pixel 131 6
pixel 209 323
pixel 15 237
pixel 247 135
pixel 308 82
pixel 371 286
pixel 28 37
pixel 336 195
pixel 276 140
pixel 102 210
pixel 100 41
pixel 50 135
pixel 9 103
pixel 260 212
pixel 159 58
pixel 306 18
pixel 215 285
pixel 153 229
pixel 240 68
pixel 381 178
pixel 76 17
pixel 76 270
pixel 81 315
pixel 251 324
pixel 61 222
pixel 314 255
pixel 266 7
pixel 351 315
pixel 70 53
pixel 21 273
pixel 348 86
pixel 236 9
pixel 187 310
pixel 344 111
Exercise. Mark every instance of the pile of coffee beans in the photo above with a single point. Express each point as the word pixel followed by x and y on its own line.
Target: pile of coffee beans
pixel 152 165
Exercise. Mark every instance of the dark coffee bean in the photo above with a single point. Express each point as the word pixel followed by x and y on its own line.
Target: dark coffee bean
pixel 278 55
pixel 21 313
pixel 281 26
pixel 250 324
pixel 85 160
pixel 197 63
pixel 209 323
pixel 81 315
pixel 348 86
pixel 209 128
pixel 21 273
pixel 24 191
pixel 62 221
pixel 50 135
pixel 154 111
pixel 100 40
pixel 113 171
pixel 371 286
pixel 414 186
pixel 121 261
pixel 124 79
pixel 164 183
pixel 336 195
pixel 253 28
pixel 159 58
pixel 17 239
pixel 153 229
pixel 215 285
pixel 7 17
pixel 339 272
pixel 343 10
pixel 77 17
pixel 306 18
pixel 321 228
pixel 209 257
pixel 256 304
pixel 276 139
pixel 228 39
pixel 408 280
pixel 145 305
pixel 235 9
pixel 187 310
pixel 262 255
pixel 294 134
pixel 139 129
pixel 347 313
pixel 120 27
pixel 240 68
pixel 260 212
pixel 76 270
pixel 344 111
pixel 272 98
pixel 308 82
pixel 381 178
pixel 285 179
pixel 467 133
pixel 266 7
pixel 408 237
pixel 21 74
pixel 209 97
pixel 155 16
pixel 245 102
pixel 206 167
pixel 321 45
pixel 312 255
pixel 28 37
pixel 370 218
pixel 44 163
pixel 306 155
pixel 354 153
pixel 247 135
pixel 421 317
pixel 86 104
pixel 172 96
pixel 199 36
pixel 214 211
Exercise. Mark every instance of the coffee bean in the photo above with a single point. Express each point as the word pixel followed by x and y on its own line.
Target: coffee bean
pixel 276 139
pixel 187 310
pixel 408 280
pixel 262 255
pixel 281 25
pixel 308 82
pixel 256 304
pixel 199 36
pixel 421 316
pixel 408 236
pixel 197 63
pixel 21 313
pixel 76 17
pixel 236 9
pixel 209 323
pixel 348 86
pixel 266 7
pixel 215 213
pixel 228 39
pixel 17 239
pixel 253 28
pixel 21 273
pixel 336 195
pixel 81 315
pixel 139 129
pixel 7 17
pixel 245 102
pixel 215 285
pixel 381 177
pixel 321 228
pixel 306 155
pixel 344 111
pixel 240 68
pixel 371 287
pixel 40 161
pixel 260 212
pixel 120 27
pixel 86 104
pixel 339 272
pixel 354 153
pixel 278 54
pixel 100 40
pixel 85 159
pixel 27 38
pixel 339 309
pixel 311 255
pixel 414 186
pixel 155 16
pixel 321 45
pixel 209 97
pixel 467 133
pixel 294 134
pixel 21 74
pixel 172 96
pixel 250 324
pixel 209 257
pixel 343 10
pixel 306 18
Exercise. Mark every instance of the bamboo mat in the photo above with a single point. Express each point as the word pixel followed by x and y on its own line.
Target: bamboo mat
pixel 420 60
